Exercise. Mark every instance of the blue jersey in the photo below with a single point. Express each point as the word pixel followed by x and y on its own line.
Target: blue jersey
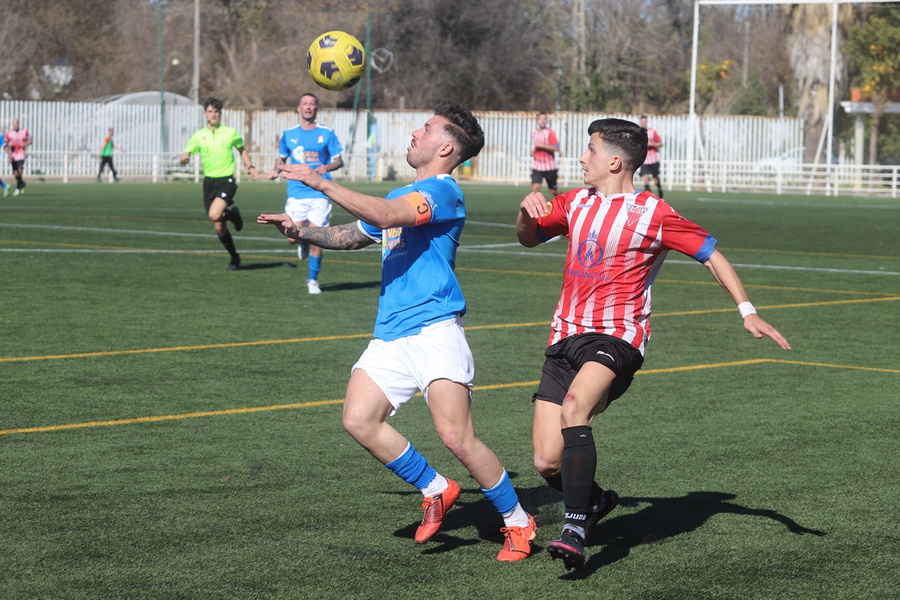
pixel 316 146
pixel 418 285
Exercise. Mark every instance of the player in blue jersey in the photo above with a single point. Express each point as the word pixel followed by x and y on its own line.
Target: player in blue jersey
pixel 419 341
pixel 3 184
pixel 317 146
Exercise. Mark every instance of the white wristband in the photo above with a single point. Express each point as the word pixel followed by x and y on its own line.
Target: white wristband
pixel 746 309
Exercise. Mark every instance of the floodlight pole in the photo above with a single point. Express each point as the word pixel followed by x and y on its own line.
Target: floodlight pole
pixel 368 49
pixel 195 76
pixel 829 168
pixel 162 86
pixel 692 118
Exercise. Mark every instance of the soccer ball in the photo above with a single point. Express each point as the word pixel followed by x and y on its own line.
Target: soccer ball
pixel 336 60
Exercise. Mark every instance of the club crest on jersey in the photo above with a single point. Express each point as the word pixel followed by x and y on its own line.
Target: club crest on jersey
pixel 589 251
pixel 298 154
pixel 634 213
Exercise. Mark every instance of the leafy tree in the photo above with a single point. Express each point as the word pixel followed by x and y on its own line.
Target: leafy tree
pixel 809 46
pixel 708 77
pixel 874 48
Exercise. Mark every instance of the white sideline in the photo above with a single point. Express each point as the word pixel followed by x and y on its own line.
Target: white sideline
pixel 484 248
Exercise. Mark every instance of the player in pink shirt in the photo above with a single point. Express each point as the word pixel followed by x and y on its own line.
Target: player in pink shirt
pixel 546 145
pixel 652 165
pixel 17 139
pixel 618 238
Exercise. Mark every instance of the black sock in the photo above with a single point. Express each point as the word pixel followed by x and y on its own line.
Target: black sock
pixel 579 462
pixel 555 481
pixel 228 243
pixel 660 190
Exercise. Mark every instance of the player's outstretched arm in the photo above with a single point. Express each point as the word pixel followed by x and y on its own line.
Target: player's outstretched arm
pixel 373 210
pixel 336 237
pixel 726 276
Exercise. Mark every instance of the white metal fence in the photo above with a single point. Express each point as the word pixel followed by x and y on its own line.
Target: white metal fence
pixel 734 153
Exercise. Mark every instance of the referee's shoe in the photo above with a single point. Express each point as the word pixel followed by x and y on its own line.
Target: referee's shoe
pixel 234 215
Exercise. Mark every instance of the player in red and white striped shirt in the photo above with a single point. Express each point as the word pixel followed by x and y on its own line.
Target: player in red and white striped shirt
pixel 618 238
pixel 17 139
pixel 651 166
pixel 546 145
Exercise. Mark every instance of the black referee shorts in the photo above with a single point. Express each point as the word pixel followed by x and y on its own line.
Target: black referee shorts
pixel 218 187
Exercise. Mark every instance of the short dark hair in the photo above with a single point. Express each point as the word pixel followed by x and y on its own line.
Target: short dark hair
pixel 214 102
pixel 463 128
pixel 311 95
pixel 629 138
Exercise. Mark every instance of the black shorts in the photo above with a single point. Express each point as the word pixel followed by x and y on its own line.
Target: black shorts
pixel 218 187
pixel 565 358
pixel 538 176
pixel 18 164
pixel 651 169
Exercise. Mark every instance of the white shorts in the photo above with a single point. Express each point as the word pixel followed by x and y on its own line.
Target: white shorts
pixel 403 367
pixel 315 210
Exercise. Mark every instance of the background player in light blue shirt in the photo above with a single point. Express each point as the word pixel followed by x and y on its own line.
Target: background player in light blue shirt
pixel 419 341
pixel 317 146
pixel 3 184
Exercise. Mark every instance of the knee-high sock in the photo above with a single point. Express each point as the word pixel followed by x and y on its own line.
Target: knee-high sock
pixel 412 468
pixel 555 481
pixel 579 463
pixel 228 242
pixel 315 265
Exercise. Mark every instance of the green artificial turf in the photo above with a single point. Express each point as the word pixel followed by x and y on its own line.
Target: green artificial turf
pixel 169 429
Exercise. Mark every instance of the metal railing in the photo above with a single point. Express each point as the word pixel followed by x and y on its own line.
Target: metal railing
pixel 720 176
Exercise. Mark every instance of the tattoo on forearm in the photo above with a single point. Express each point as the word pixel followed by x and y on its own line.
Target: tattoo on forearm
pixel 337 237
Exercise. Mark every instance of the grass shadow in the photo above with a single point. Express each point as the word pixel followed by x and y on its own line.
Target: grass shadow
pixel 272 265
pixel 664 518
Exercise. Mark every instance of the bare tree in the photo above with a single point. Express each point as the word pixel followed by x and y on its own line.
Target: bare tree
pixel 809 45
pixel 14 70
pixel 493 54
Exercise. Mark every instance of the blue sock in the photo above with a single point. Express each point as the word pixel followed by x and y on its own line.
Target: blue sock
pixel 315 265
pixel 412 468
pixel 503 495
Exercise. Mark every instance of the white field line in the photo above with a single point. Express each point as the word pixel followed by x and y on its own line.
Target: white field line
pixel 754 202
pixel 485 248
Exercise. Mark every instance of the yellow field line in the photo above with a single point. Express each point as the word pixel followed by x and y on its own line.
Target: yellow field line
pixel 209 413
pixel 240 411
pixel 783 288
pixel 367 335
pixel 182 348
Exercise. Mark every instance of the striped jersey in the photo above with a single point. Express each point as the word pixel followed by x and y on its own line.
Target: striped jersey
pixel 543 160
pixel 15 138
pixel 652 153
pixel 616 248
